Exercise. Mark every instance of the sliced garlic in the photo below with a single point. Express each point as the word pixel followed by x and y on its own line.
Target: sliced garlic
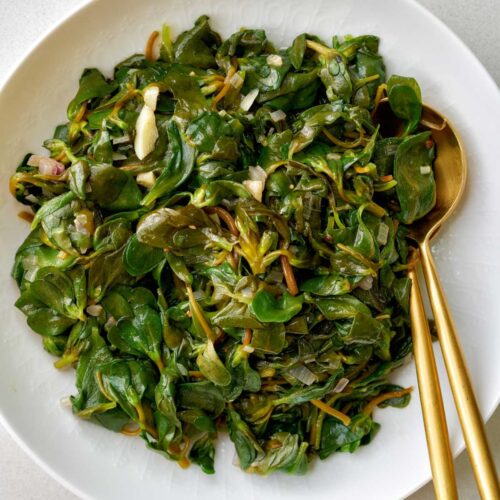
pixel 248 100
pixel 146 132
pixel 146 179
pixel 150 96
pixel 256 188
pixel 257 173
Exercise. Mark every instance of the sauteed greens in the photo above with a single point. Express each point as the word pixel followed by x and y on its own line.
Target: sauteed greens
pixel 219 241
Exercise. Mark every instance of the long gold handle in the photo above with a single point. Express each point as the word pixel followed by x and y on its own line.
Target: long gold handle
pixel 463 393
pixel 436 430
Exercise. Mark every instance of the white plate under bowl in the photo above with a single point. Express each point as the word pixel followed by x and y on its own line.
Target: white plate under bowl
pixel 96 463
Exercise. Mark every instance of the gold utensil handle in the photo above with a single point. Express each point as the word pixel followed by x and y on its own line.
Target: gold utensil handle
pixel 463 393
pixel 436 430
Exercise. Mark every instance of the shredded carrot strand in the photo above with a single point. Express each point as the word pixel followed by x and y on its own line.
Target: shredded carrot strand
pixel 381 90
pixel 247 338
pixel 345 419
pixel 386 178
pixel 362 170
pixel 343 144
pixel 368 409
pixel 227 85
pixel 148 53
pixel 291 282
pixel 196 374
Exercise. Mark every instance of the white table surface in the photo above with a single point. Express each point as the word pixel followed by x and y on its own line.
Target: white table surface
pixel 22 22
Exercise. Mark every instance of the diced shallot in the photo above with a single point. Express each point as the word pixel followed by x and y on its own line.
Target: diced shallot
pixel 341 385
pixel 307 132
pixel 257 173
pixel 83 223
pixel 121 140
pixel 94 310
pixel 110 322
pixel 46 166
pixel 65 402
pixel 366 283
pixel 236 81
pixel 274 60
pixel 278 115
pixel 383 233
pixel 303 374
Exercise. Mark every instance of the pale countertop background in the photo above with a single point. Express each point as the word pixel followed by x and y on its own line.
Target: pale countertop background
pixel 22 22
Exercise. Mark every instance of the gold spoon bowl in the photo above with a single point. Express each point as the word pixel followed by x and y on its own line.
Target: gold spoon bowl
pixel 450 171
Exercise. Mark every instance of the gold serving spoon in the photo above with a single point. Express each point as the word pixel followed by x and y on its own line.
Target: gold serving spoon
pixel 450 171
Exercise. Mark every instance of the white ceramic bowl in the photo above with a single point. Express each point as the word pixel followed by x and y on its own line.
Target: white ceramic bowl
pixel 96 463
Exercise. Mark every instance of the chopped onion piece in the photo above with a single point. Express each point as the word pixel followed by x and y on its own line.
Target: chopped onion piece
pixel 257 173
pixel 146 179
pixel 236 81
pixel 248 100
pixel 94 310
pixel 366 283
pixel 341 385
pixel 121 140
pixel 110 322
pixel 307 132
pixel 425 170
pixel 246 292
pixel 82 223
pixel 32 198
pixel 146 132
pixel 256 188
pixel 119 157
pixel 303 374
pixel 333 156
pixel 65 402
pixel 383 233
pixel 150 96
pixel 278 115
pixel 274 60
